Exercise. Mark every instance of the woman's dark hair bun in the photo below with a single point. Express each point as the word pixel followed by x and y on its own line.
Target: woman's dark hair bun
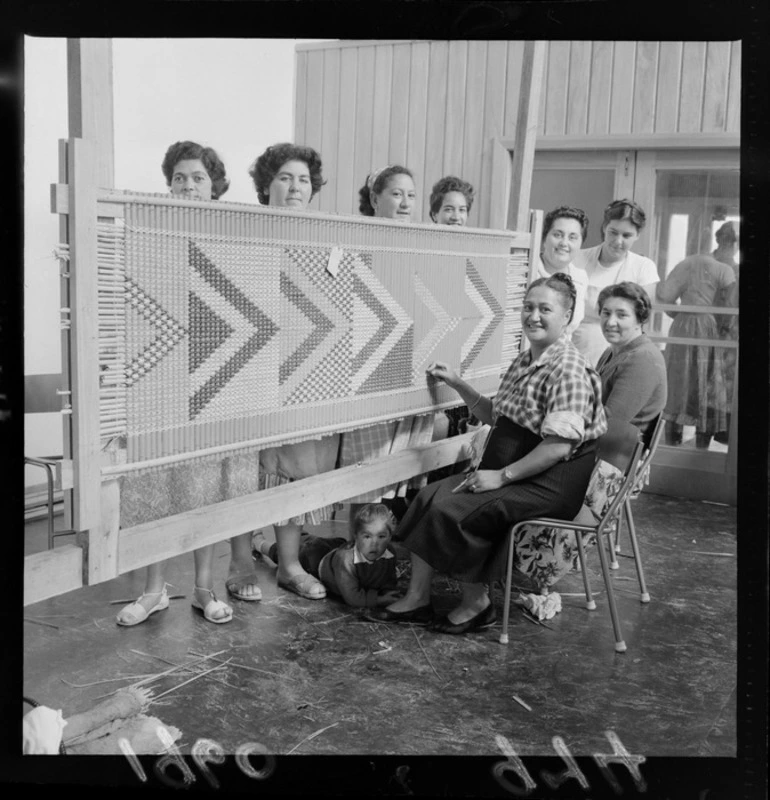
pixel 564 278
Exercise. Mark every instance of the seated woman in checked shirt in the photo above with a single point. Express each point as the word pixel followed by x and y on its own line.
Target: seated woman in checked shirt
pixel 546 417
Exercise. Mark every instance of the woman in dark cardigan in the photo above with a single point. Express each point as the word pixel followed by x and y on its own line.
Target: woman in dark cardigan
pixel 547 416
pixel 632 368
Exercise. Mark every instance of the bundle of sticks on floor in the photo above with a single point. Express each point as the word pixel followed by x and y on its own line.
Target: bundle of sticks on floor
pixel 121 715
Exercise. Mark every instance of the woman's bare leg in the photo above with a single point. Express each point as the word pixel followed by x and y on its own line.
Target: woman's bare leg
pixel 204 580
pixel 418 591
pixel 287 539
pixel 242 576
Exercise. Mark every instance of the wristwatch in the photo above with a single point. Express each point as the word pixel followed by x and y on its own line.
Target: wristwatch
pixel 507 477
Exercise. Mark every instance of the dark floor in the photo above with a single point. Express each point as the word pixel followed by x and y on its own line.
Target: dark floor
pixel 402 690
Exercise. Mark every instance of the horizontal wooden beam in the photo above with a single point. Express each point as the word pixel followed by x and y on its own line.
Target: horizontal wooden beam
pixel 52 572
pixel 727 344
pixel 60 203
pixel 154 541
pixel 634 141
pixel 724 310
pixel 338 44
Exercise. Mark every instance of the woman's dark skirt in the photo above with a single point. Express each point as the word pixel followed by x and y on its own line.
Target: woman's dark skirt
pixel 463 535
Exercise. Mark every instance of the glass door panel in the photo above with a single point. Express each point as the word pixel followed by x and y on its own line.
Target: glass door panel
pixel 693 197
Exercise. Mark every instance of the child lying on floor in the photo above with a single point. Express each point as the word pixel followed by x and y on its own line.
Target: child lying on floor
pixel 361 571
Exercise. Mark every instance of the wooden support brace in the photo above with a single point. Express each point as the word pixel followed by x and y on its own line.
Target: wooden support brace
pixel 154 541
pixel 536 227
pixel 83 367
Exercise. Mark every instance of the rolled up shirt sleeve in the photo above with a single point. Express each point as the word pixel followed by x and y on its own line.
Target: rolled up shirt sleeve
pixel 571 403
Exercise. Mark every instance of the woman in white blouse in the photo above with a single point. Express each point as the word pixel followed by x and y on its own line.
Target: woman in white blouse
pixel 610 263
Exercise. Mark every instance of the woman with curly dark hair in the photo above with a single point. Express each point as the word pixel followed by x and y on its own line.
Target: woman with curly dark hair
pixel 195 172
pixel 451 200
pixel 289 176
pixel 564 230
pixel 189 179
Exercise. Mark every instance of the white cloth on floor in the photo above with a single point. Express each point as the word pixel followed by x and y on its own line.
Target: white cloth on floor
pixel 542 606
pixel 41 731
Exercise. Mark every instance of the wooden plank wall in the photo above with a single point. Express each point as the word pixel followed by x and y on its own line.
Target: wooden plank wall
pixel 438 106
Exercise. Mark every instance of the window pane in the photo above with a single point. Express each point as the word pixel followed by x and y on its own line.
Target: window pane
pixel 697 226
pixel 589 189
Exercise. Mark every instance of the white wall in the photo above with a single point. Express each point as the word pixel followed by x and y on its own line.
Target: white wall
pixel 235 95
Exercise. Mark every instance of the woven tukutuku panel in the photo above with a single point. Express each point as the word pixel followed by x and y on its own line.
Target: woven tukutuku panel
pixel 239 324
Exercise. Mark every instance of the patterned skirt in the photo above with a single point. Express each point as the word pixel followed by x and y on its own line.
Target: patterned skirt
pixel 292 462
pixel 542 556
pixel 463 535
pixel 377 441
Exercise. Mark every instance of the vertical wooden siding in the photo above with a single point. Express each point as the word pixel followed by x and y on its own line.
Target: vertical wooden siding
pixel 437 107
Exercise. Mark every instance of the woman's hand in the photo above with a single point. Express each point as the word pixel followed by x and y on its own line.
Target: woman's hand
pixel 485 480
pixel 387 597
pixel 443 372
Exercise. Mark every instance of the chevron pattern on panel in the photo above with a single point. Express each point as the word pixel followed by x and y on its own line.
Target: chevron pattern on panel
pixel 381 329
pixel 443 324
pixel 243 333
pixel 492 315
pixel 165 332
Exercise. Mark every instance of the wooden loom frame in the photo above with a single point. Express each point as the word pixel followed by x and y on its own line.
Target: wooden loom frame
pixel 92 501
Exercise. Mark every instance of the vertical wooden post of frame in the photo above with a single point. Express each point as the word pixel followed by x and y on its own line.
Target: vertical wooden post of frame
pixel 83 362
pixel 89 87
pixel 526 132
pixel 90 116
pixel 536 232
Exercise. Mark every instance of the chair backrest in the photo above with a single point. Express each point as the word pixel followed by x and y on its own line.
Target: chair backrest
pixel 622 447
pixel 617 445
pixel 651 440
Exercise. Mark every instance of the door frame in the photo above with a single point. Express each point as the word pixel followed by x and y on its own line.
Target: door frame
pixel 635 160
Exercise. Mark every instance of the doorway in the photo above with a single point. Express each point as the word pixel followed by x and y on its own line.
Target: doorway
pixel 687 196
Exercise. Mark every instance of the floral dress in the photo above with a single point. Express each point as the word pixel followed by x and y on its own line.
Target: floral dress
pixel 634 387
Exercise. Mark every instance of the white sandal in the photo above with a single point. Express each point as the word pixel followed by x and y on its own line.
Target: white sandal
pixel 211 606
pixel 135 613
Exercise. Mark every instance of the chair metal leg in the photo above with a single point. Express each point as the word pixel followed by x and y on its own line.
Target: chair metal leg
pixel 617 535
pixel 507 593
pixel 620 645
pixel 49 509
pixel 590 602
pixel 645 595
pixel 612 544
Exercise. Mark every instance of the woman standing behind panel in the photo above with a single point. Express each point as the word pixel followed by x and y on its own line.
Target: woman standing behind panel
pixel 289 176
pixel 609 263
pixel 451 200
pixel 388 193
pixel 194 172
